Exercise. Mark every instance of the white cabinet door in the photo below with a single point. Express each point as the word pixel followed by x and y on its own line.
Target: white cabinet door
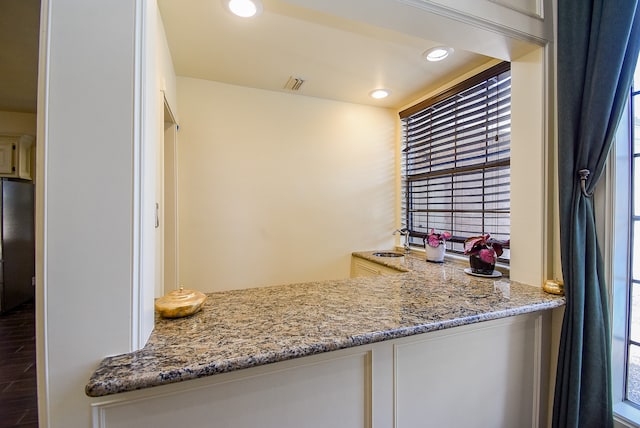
pixel 8 146
pixel 25 158
pixel 361 267
pixel 489 375
pixel 329 390
pixel 16 156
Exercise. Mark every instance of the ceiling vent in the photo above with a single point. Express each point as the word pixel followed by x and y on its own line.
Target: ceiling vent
pixel 294 83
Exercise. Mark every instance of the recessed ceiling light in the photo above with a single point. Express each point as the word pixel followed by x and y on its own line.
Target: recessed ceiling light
pixel 379 93
pixel 438 53
pixel 244 8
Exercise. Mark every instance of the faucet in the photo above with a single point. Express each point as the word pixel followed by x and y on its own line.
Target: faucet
pixel 404 232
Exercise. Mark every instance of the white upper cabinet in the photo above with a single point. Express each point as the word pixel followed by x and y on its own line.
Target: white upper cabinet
pixel 16 156
pixel 7 155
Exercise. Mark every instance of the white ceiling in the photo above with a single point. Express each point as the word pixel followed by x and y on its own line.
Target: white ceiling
pixel 338 58
pixel 19 30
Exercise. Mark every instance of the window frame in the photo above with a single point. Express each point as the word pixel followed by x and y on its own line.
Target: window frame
pixel 455 243
pixel 613 201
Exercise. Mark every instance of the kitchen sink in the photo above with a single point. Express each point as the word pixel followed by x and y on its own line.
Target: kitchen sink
pixel 388 254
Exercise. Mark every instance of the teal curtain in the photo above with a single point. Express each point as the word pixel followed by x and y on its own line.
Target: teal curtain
pixel 597 49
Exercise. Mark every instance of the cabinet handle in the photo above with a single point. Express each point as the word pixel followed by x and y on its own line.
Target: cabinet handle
pixel 157 215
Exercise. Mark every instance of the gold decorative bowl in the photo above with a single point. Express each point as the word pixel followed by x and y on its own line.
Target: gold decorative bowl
pixel 180 303
pixel 554 287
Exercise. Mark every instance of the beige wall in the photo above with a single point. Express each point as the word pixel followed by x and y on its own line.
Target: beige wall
pixel 99 122
pixel 279 188
pixel 164 68
pixel 530 176
pixel 84 269
pixel 17 123
pixel 159 84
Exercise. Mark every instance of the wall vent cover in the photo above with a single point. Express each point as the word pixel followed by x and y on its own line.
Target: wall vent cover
pixel 294 83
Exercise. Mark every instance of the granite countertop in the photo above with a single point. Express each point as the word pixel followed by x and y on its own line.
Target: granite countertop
pixel 251 327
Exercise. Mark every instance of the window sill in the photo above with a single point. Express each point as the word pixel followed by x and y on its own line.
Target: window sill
pixel 626 415
pixel 456 258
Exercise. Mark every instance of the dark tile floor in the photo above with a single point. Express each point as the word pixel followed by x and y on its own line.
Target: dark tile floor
pixel 18 394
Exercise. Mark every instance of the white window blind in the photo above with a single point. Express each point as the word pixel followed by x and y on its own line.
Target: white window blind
pixel 456 161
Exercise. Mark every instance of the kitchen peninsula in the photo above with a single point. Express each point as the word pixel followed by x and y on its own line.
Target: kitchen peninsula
pixel 395 339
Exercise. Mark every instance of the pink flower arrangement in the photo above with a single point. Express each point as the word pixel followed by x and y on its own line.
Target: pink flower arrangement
pixel 487 251
pixel 435 239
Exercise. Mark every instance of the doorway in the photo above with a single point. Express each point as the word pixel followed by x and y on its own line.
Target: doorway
pixel 168 252
pixel 19 38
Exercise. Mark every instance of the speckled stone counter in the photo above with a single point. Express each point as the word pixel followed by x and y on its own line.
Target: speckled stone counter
pixel 246 328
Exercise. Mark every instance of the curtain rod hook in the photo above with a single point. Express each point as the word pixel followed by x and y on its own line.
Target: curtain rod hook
pixel 584 174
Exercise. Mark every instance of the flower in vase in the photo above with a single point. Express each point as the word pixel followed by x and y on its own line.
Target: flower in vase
pixel 488 256
pixel 487 250
pixel 434 239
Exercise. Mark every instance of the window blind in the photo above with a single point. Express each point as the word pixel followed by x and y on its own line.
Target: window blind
pixel 456 161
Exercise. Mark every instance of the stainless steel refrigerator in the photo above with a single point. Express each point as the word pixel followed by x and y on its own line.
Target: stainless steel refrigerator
pixel 17 243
